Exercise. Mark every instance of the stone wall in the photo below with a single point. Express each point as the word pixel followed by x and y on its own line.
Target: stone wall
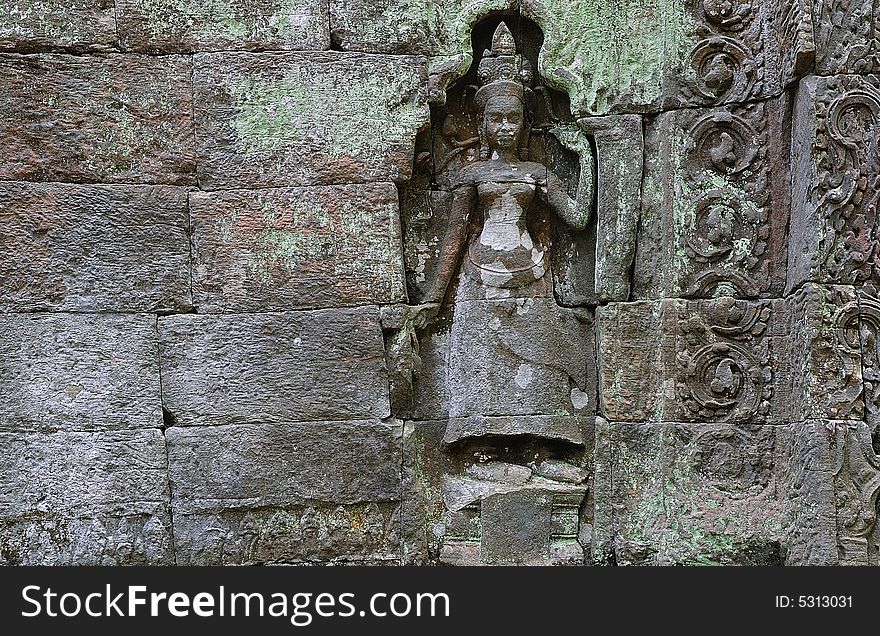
pixel 221 222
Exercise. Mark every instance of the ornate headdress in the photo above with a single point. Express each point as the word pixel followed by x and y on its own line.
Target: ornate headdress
pixel 502 70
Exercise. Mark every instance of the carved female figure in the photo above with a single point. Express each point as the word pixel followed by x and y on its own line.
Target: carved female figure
pixel 512 350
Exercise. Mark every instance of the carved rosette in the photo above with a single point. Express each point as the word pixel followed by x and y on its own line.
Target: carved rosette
pixel 724 372
pixel 846 188
pixel 732 459
pixel 727 205
pixel 727 63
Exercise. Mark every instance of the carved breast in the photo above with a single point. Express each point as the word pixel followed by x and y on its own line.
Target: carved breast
pixel 504 254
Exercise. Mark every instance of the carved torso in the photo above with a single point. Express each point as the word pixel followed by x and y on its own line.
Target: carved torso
pixel 504 253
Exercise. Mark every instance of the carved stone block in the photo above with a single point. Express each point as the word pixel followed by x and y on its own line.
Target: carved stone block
pixel 84 499
pixel 805 481
pixel 81 25
pixel 792 26
pixel 629 56
pixel 115 119
pixel 688 494
pixel 869 332
pixel 78 372
pixel 287 492
pixel 494 367
pixel 425 217
pixel 832 488
pixel 294 119
pixel 184 26
pixel 619 157
pixel 677 360
pixel 836 181
pixel 715 203
pixel 461 510
pixel 270 250
pixel 93 248
pixel 820 360
pixel 300 366
pixel 847 36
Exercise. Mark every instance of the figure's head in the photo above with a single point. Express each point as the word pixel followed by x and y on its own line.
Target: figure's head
pixel 503 122
pixel 504 75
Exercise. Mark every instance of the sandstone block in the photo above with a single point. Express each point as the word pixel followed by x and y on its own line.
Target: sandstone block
pixel 690 494
pixel 270 250
pixel 113 119
pixel 184 26
pixel 715 203
pixel 79 372
pixel 287 492
pixel 85 499
pixel 93 248
pixel 298 119
pixel 261 368
pixel 54 24
pixel 834 224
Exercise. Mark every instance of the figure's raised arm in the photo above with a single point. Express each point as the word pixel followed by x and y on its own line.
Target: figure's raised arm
pixel 463 200
pixel 574 212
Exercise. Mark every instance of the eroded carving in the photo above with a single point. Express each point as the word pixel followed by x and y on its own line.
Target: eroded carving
pixel 856 473
pixel 726 370
pixel 835 235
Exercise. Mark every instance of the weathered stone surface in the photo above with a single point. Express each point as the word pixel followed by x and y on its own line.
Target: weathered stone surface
pixel 301 119
pixel 421 508
pixel 631 56
pixel 444 492
pixel 733 360
pixel 620 152
pixel 114 119
pixel 617 61
pixel 285 492
pixel 488 364
pixel 638 56
pixel 427 27
pixel 270 250
pixel 645 210
pixel 93 248
pixel 364 533
pixel 53 24
pixel 691 494
pixel 568 428
pixel 869 333
pixel 820 360
pixel 847 36
pixel 794 33
pixel 835 177
pixel 78 372
pixel 253 465
pixel 424 217
pixel 832 487
pixel 84 499
pixel 184 26
pixel 715 203
pixel 677 360
pixel 300 366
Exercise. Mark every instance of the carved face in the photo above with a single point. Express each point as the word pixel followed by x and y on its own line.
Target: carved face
pixel 503 122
